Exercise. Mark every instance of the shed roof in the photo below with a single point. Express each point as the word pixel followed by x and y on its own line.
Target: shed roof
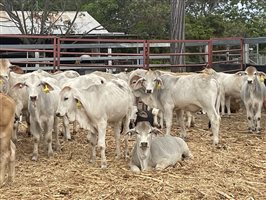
pixel 60 21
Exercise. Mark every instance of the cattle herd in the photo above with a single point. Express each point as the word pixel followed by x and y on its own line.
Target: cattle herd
pixel 96 100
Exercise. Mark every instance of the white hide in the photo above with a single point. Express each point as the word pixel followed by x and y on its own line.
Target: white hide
pixel 156 152
pixel 96 102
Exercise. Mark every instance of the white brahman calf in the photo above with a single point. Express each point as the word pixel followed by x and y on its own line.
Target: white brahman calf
pixel 94 105
pixel 42 104
pixel 156 152
pixel 253 93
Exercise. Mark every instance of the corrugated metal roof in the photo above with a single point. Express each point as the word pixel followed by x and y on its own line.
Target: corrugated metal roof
pixel 83 23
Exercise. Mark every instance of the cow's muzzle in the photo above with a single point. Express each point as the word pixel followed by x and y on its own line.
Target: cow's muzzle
pixel 148 91
pixel 144 145
pixel 33 98
pixel 58 114
pixel 249 81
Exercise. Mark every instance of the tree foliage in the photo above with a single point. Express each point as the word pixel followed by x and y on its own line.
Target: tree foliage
pixel 204 18
pixel 150 19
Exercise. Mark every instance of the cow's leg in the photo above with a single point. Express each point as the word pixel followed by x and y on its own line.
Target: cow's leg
pixel 161 119
pixel 48 135
pixel 92 138
pixel 189 119
pixel 56 131
pixel 101 142
pixel 134 169
pixel 222 104
pixel 66 128
pixel 5 156
pixel 257 118
pixel 75 127
pixel 249 117
pixel 12 162
pixel 117 130
pixel 168 117
pixel 163 164
pixel 27 117
pixel 180 116
pixel 126 122
pixel 228 106
pixel 215 124
pixel 36 139
pixel 15 131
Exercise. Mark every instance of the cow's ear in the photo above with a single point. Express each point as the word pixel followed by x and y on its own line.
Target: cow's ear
pixel 19 85
pixel 159 83
pixel 240 73
pixel 79 101
pixel 138 84
pixel 261 74
pixel 133 80
pixel 156 131
pixel 158 73
pixel 47 87
pixel 132 132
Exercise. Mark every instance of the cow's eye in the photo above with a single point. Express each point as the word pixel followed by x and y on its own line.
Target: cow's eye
pixel 65 98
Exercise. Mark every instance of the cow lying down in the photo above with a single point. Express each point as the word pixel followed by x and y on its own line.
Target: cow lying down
pixel 155 152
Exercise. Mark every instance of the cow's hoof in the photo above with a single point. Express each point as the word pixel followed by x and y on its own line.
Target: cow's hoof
pixel 58 147
pixel 104 166
pixel 50 154
pixel 34 158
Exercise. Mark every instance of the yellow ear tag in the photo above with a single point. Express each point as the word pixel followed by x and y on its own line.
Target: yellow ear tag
pixel 46 89
pixel 78 104
pixel 261 78
pixel 1 81
pixel 158 85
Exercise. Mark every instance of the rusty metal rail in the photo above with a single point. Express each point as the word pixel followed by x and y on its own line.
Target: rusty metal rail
pixel 55 53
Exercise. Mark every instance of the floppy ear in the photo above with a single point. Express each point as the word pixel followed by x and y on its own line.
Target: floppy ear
pixel 134 79
pixel 156 131
pixel 46 87
pixel 19 85
pixel 159 83
pixel 132 132
pixel 240 73
pixel 158 73
pixel 79 101
pixel 261 74
pixel 138 84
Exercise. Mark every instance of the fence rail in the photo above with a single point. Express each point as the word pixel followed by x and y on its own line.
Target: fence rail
pixel 55 53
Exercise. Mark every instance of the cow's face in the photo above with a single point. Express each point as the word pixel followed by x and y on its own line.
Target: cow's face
pixel 151 81
pixel 144 132
pixel 67 104
pixel 251 73
pixel 34 86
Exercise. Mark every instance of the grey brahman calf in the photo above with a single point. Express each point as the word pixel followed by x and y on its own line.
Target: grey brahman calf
pixel 157 152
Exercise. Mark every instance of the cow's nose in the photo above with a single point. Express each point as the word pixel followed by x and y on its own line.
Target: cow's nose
pixel 249 81
pixel 144 144
pixel 148 91
pixel 33 98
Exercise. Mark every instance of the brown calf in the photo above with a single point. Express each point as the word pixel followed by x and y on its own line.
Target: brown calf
pixel 7 147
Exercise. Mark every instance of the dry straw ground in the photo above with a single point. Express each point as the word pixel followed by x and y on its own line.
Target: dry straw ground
pixel 234 170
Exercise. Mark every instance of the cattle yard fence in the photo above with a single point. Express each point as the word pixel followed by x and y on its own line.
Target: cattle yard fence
pixel 58 53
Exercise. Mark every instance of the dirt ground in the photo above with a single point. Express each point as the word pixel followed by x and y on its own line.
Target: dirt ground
pixel 236 169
